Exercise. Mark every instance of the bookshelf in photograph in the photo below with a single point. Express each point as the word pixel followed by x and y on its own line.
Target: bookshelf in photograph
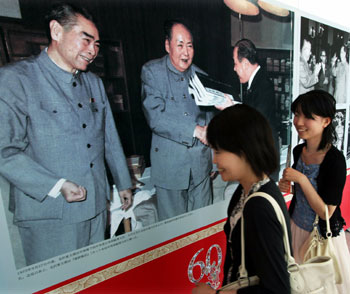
pixel 109 65
pixel 278 64
pixel 20 42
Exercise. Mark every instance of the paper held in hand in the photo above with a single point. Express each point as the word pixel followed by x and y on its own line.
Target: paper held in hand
pixel 208 92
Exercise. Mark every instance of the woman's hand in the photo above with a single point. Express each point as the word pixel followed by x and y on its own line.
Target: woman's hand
pixel 202 288
pixel 292 175
pixel 284 186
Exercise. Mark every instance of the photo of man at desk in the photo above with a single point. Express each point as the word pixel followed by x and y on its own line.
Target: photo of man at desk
pixel 180 158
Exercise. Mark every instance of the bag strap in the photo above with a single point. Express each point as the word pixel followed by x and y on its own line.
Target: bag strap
pixel 242 269
pixel 315 221
pixel 280 216
pixel 329 232
pixel 292 265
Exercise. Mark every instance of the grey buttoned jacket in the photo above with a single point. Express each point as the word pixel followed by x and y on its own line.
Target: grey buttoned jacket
pixel 55 125
pixel 172 115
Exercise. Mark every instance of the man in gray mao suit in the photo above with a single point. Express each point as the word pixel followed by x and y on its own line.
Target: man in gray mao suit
pixel 180 157
pixel 57 131
pixel 307 78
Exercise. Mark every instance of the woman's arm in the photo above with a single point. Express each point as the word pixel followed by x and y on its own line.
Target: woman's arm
pixel 314 199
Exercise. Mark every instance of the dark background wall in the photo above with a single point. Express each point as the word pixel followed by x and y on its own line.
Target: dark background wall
pixel 139 26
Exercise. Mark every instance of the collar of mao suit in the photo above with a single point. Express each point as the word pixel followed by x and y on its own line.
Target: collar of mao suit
pixel 54 69
pixel 178 75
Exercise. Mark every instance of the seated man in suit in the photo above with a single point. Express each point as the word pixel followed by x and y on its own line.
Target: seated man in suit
pixel 180 157
pixel 57 131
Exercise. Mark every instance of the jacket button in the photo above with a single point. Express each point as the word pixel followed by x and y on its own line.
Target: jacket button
pixel 80 105
pixel 88 145
pixel 156 149
pixel 186 113
pixel 74 84
pixel 84 126
pixel 91 164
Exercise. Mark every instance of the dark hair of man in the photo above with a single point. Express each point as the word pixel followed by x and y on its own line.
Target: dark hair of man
pixel 168 28
pixel 242 130
pixel 323 50
pixel 246 49
pixel 320 103
pixel 66 15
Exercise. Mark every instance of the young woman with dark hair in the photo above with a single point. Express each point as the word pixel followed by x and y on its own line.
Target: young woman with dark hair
pixel 319 174
pixel 244 151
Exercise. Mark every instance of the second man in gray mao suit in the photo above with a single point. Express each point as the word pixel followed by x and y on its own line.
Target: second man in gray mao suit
pixel 180 157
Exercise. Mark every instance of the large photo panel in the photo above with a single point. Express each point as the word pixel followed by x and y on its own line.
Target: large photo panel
pixel 132 34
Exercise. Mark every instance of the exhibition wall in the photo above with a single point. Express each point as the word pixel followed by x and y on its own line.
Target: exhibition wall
pixel 168 256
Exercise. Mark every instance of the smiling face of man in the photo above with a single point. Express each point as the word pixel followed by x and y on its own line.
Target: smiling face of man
pixel 75 47
pixel 180 48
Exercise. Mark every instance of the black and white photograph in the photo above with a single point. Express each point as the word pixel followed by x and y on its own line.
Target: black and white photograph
pixel 324 59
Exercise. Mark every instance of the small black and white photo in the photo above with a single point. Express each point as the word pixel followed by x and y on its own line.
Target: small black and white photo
pixel 339 125
pixel 324 59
